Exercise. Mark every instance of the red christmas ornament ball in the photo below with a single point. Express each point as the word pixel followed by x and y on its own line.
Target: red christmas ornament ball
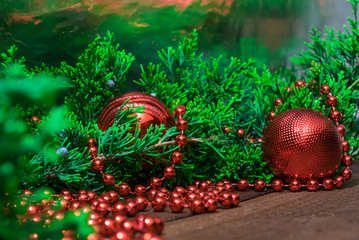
pixel 176 205
pixel 243 185
pixel 277 185
pixel 169 173
pixel 155 112
pixel 302 143
pixel 312 185
pixel 328 184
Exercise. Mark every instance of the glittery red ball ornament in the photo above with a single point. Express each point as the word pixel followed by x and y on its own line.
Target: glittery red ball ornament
pixel 108 179
pixel 302 143
pixel 181 124
pixel 240 133
pixel 236 199
pixel 271 116
pixel 346 146
pixel 277 185
pixel 299 84
pixel 97 164
pixel 335 115
pixel 155 112
pixel 155 182
pixel 332 101
pixel 278 101
pixel 243 185
pixel 339 181
pixel 328 184
pixel 142 203
pixel 325 89
pixel 295 185
pixel 197 206
pixel 132 208
pixel 180 111
pixel 124 189
pixel 140 190
pixel 176 205
pixel 259 185
pixel 346 173
pixel 181 140
pixel 158 204
pixel 169 173
pixel 211 204
pixel 176 157
pixel 348 161
pixel 312 185
pixel 342 130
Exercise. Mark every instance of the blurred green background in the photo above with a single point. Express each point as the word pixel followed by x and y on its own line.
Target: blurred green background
pixel 269 31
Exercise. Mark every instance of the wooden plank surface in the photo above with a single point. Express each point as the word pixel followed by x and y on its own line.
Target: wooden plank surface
pixel 284 215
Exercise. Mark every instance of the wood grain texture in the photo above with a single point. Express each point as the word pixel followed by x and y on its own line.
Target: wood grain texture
pixel 301 215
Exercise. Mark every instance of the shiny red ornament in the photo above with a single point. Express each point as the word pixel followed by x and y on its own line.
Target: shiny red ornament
pixel 226 199
pixel 226 130
pixel 335 115
pixel 169 173
pixel 26 192
pixel 91 195
pixel 114 196
pixel 191 197
pixel 97 164
pixel 259 185
pixel 211 204
pixel 141 202
pixel 295 185
pixel 299 84
pixel 83 197
pixel 140 190
pixel 121 235
pixel 180 111
pixel 271 116
pixel 124 189
pixel 119 209
pixel 346 173
pixel 151 194
pixel 93 151
pixel 278 101
pixel 35 118
pixel 132 208
pixel 342 130
pixel 176 157
pixel 176 205
pixel 159 204
pixel 236 199
pixel 127 226
pixel 229 187
pixel 348 160
pixel 325 89
pixel 339 181
pixel 181 124
pixel 181 140
pixel 155 182
pixel 107 226
pixel 155 112
pixel 240 133
pixel 302 143
pixel 328 184
pixel 108 179
pixel 346 146
pixel 332 101
pixel 243 185
pixel 65 191
pixel 33 209
pixel 277 185
pixel 197 206
pixel 180 190
pixel 203 186
pixel 312 185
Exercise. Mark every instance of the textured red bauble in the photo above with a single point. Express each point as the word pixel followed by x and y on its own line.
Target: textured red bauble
pixel 348 160
pixel 243 185
pixel 236 199
pixel 225 199
pixel 346 146
pixel 342 130
pixel 180 111
pixel 176 205
pixel 155 182
pixel 108 179
pixel 155 112
pixel 124 189
pixel 119 209
pixel 332 101
pixel 142 203
pixel 169 173
pixel 97 164
pixel 180 190
pixel 302 143
pixel 335 115
pixel 346 173
pixel 211 204
pixel 181 140
pixel 325 89
pixel 295 185
pixel 176 157
pixel 339 181
pixel 259 185
pixel 181 124
pixel 132 208
pixel 328 184
pixel 312 185
pixel 158 204
pixel 277 102
pixel 277 185
pixel 271 116
pixel 197 206
pixel 140 190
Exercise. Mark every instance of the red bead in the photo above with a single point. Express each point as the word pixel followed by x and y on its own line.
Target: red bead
pixel 94 219
pixel 141 203
pixel 93 151
pixel 240 133
pixel 159 204
pixel 271 116
pixel 277 185
pixel 295 185
pixel 339 181
pixel 180 111
pixel 119 209
pixel 155 182
pixel 181 124
pixel 32 209
pixel 346 146
pixel 226 130
pixel 277 102
pixel 328 184
pixel 108 179
pixel 312 185
pixel 325 89
pixel 181 140
pixel 65 191
pixel 103 208
pixel 92 142
pixel 288 90
pixel 124 189
pixel 346 173
pixel 342 130
pixel 132 208
pixel 26 192
pixel 107 227
pixel 191 197
pixel 243 185
pixel 91 195
pixel 211 204
pixel 176 157
pixel 97 164
pixel 225 199
pixel 35 118
pixel 140 190
pixel 180 190
pixel 332 101
pixel 236 199
pixel 161 194
pixel 114 196
pixel 151 194
pixel 203 186
pixel 348 160
pixel 169 173
pixel 121 235
pixel 259 185
pixel 127 226
pixel 299 84
pixel 176 205
pixel 197 206
pixel 83 197
pixel 229 187
pixel 335 115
